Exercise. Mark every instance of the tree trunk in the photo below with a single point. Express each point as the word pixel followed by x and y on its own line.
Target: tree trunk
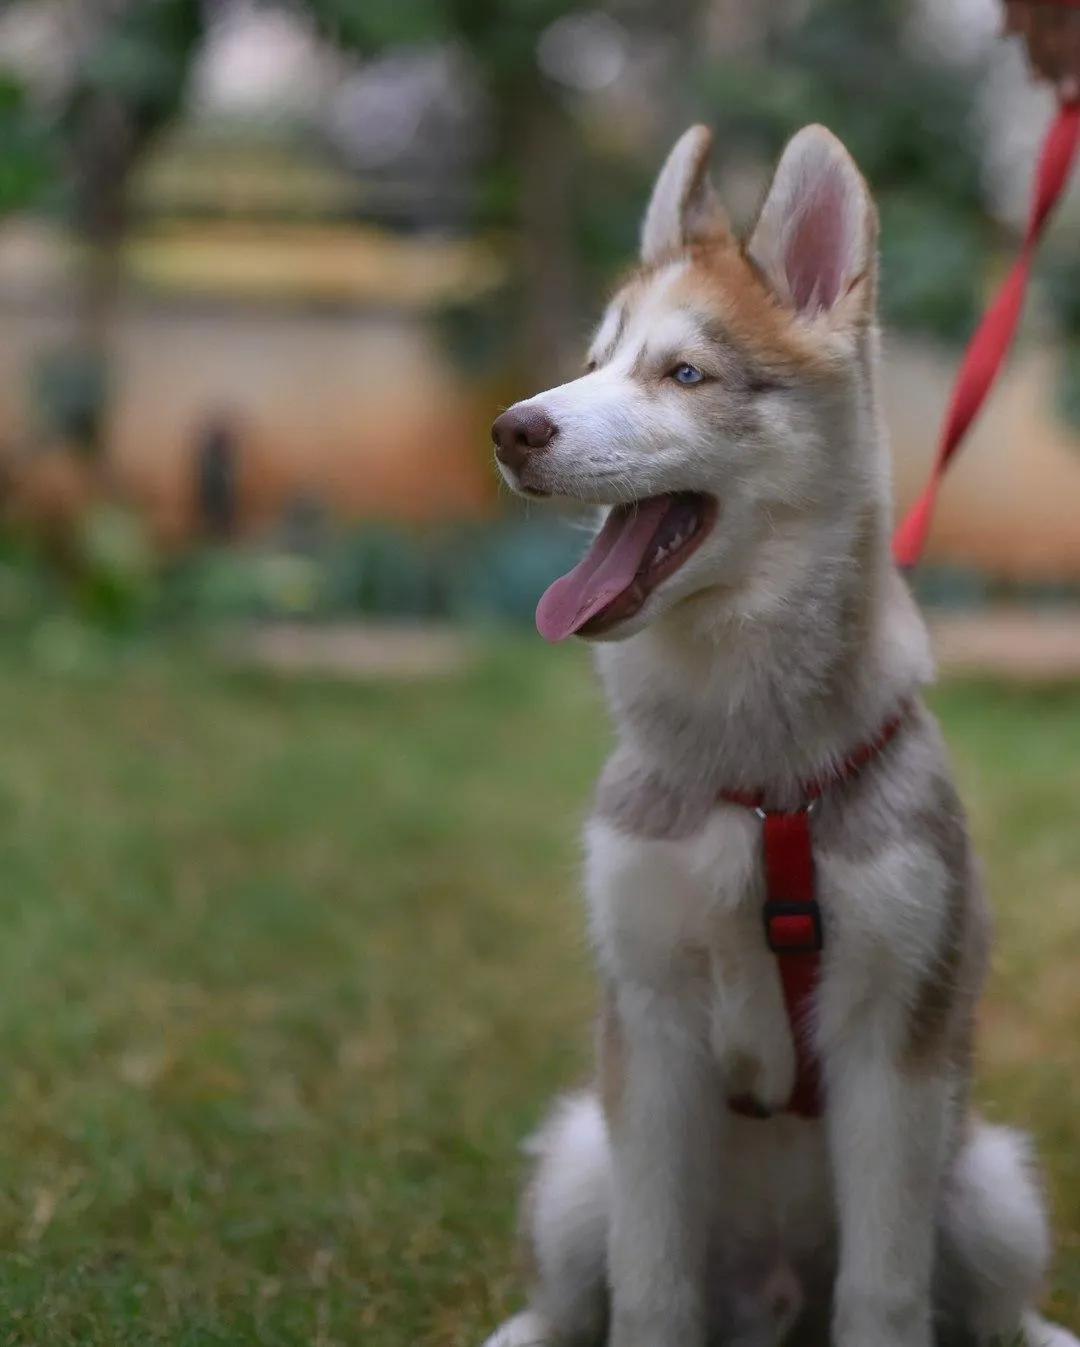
pixel 549 344
pixel 108 150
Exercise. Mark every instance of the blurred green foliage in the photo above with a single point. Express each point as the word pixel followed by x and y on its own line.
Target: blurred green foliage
pixel 140 56
pixel 482 573
pixel 117 570
pixel 904 112
pixel 474 572
pixel 499 35
pixel 25 152
pixel 562 206
pixel 71 153
pixel 906 118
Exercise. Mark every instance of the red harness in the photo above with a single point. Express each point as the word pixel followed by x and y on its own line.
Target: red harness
pixel 793 927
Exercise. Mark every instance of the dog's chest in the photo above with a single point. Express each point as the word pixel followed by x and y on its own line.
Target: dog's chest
pixel 683 917
pixel 656 902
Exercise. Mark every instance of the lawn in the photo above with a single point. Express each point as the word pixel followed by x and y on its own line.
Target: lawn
pixel 287 968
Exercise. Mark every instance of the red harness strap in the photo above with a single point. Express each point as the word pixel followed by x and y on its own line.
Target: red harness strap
pixel 793 925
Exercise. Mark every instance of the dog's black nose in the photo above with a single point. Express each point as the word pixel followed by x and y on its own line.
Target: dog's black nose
pixel 520 432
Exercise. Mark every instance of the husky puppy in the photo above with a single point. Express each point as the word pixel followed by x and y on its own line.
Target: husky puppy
pixel 752 635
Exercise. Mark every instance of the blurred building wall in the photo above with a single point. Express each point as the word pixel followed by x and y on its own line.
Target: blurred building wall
pixel 359 413
pixel 323 363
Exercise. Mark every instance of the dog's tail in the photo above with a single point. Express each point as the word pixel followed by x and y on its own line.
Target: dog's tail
pixel 1038 1332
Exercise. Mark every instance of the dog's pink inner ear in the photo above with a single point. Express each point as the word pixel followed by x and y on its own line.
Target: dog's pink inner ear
pixel 813 238
pixel 817 246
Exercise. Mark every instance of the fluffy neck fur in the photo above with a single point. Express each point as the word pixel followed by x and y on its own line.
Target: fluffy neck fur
pixel 768 687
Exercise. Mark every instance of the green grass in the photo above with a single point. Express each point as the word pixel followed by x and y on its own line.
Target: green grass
pixel 287 969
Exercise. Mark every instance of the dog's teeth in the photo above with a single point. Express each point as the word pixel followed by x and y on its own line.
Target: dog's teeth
pixel 683 532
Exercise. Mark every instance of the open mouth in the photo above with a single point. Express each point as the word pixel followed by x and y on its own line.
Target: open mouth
pixel 639 547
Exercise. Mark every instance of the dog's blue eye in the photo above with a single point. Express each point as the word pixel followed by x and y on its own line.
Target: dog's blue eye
pixel 687 374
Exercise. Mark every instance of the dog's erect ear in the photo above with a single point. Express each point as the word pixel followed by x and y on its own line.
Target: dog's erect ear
pixel 683 205
pixel 816 237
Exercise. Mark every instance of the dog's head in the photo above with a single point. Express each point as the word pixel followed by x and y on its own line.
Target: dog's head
pixel 727 398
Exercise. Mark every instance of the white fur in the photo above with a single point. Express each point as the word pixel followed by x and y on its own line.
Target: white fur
pixel 527 1329
pixel 571 1206
pixel 1039 1333
pixel 996 1212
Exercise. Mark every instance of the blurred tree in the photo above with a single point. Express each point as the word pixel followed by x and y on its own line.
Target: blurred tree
pixel 540 180
pixel 531 166
pixel 847 63
pixel 70 152
pixel 906 117
pixel 129 71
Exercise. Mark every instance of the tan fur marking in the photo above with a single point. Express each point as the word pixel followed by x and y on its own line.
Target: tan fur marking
pixel 720 278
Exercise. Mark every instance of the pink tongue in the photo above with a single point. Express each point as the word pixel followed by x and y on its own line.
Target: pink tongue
pixel 604 572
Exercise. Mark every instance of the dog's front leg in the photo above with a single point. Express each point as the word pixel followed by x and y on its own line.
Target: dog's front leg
pixel 664 1122
pixel 886 1126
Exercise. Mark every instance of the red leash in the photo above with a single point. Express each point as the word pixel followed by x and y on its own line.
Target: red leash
pixel 995 333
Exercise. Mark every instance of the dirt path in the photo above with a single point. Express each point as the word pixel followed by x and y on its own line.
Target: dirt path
pixel 352 651
pixel 1018 644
